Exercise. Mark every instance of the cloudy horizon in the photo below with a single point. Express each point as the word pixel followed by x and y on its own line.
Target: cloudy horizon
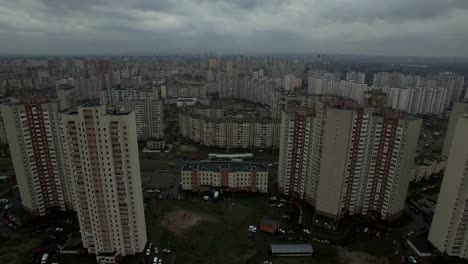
pixel 429 28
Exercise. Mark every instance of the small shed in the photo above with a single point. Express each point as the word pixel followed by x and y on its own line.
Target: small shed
pixel 268 225
pixel 291 250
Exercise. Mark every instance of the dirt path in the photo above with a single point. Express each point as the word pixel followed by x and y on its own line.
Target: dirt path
pixel 187 148
pixel 358 257
pixel 180 220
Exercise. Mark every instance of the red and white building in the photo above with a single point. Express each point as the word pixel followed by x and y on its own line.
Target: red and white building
pixel 102 159
pixel 33 132
pixel 344 158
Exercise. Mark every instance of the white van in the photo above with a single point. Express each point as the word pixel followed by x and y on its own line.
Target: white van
pixel 44 258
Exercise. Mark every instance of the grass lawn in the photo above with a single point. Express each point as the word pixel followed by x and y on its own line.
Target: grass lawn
pixel 220 237
pixel 17 247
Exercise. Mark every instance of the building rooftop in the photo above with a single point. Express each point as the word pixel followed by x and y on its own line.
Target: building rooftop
pixel 350 104
pixel 423 246
pixel 89 103
pixel 291 249
pixel 235 116
pixel 186 99
pixel 233 166
pixel 268 222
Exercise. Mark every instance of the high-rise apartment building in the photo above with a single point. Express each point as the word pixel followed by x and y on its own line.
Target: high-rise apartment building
pixel 149 118
pixel 358 77
pixel 347 159
pixel 147 107
pixel 218 128
pixel 34 137
pixel 449 226
pixel 3 134
pixel 260 90
pixel 291 82
pixel 67 94
pixel 213 62
pixel 350 89
pixel 393 79
pixel 453 82
pixel 459 109
pixel 102 160
pixel 322 73
pixel 89 88
pixel 229 69
pixel 427 95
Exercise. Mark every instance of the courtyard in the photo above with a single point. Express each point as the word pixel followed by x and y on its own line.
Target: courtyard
pixel 199 231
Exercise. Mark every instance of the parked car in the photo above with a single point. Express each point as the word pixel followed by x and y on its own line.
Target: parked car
pixel 252 229
pixel 281 231
pixel 44 258
pixel 412 260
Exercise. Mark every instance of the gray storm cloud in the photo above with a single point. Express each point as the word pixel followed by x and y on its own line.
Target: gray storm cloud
pixel 396 27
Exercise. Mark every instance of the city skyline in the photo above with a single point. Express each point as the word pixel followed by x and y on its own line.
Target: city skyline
pixel 152 159
pixel 396 28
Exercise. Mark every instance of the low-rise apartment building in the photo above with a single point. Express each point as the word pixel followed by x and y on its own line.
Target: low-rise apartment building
pixel 426 168
pixel 226 175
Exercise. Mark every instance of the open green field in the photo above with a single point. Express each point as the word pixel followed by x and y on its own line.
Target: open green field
pixel 16 247
pixel 221 233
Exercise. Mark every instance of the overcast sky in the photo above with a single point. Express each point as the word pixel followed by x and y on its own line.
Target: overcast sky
pixel 375 27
